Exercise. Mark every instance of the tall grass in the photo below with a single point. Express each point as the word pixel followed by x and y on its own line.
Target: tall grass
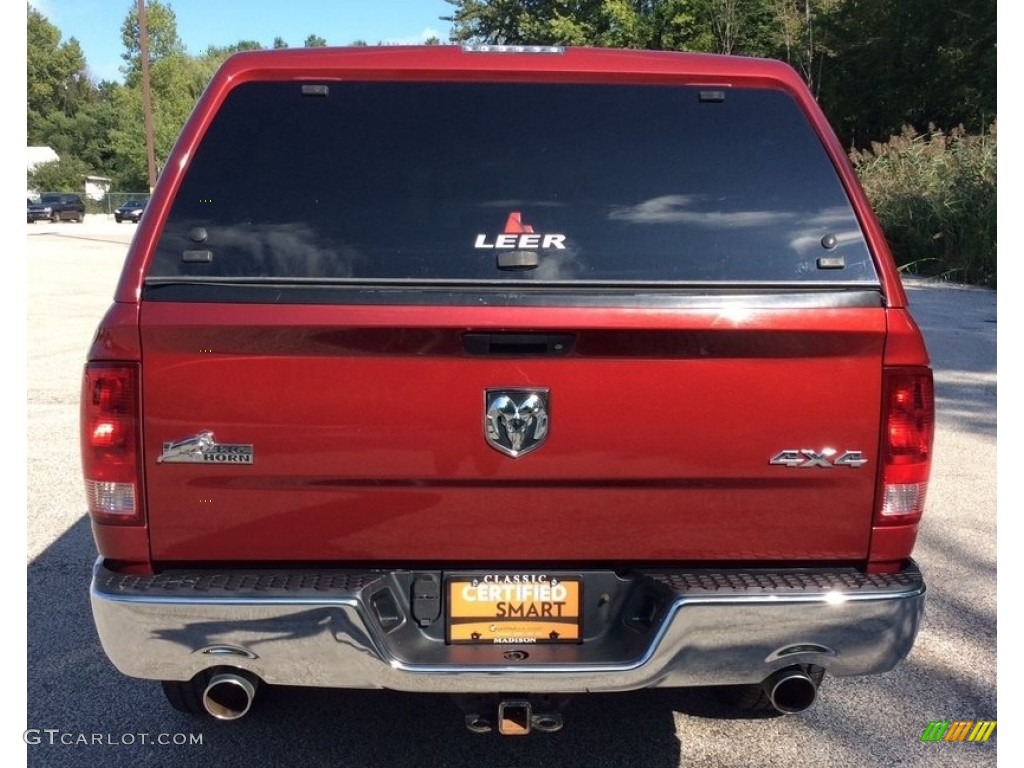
pixel 935 195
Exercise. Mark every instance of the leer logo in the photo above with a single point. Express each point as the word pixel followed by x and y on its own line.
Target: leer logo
pixel 519 236
pixel 958 730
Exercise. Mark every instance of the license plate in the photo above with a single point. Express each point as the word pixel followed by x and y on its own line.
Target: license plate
pixel 513 608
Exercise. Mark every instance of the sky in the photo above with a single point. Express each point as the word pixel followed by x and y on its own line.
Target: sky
pixel 202 23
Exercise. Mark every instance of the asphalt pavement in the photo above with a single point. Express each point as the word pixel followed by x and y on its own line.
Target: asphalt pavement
pixel 82 712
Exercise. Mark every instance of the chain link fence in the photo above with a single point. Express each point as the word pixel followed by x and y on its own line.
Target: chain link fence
pixel 112 200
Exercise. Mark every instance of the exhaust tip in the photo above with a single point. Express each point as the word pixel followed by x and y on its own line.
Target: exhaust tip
pixel 229 695
pixel 791 690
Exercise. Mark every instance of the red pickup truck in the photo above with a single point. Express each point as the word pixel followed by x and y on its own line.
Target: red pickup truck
pixel 508 373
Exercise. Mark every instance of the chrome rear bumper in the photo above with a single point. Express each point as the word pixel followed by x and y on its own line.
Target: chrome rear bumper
pixel 327 628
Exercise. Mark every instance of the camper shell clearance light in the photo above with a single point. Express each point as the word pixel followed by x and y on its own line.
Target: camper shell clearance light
pixel 513 49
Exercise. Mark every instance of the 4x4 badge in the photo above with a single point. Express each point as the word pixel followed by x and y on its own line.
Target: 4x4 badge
pixel 515 420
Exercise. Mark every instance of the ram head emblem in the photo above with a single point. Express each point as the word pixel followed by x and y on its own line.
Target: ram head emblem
pixel 515 420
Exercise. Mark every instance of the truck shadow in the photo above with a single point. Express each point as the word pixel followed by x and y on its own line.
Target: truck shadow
pixel 73 688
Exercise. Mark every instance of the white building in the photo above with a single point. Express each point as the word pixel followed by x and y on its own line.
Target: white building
pixel 38 156
pixel 96 187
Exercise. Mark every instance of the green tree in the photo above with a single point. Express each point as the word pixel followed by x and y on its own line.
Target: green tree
pixel 698 25
pixel 57 83
pixel 176 81
pixel 725 24
pixel 874 64
pixel 801 31
pixel 89 135
pixel 66 111
pixel 64 175
pixel 914 62
pixel 222 52
pixel 161 33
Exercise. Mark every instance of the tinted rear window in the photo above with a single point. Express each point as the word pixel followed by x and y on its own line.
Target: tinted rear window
pixel 439 181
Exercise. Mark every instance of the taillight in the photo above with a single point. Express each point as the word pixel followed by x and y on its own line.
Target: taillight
pixel 110 442
pixel 906 450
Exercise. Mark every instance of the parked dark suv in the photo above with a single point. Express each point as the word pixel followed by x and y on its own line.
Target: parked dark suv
pixel 56 206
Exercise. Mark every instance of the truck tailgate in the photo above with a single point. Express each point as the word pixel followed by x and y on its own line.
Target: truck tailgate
pixel 367 431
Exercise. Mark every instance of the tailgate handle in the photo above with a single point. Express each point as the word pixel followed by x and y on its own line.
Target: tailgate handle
pixel 519 344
